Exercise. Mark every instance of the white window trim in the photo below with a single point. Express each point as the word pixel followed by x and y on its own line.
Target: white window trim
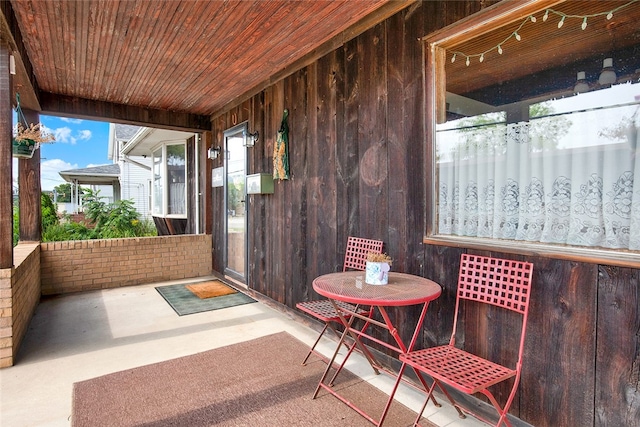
pixel 475 25
pixel 165 186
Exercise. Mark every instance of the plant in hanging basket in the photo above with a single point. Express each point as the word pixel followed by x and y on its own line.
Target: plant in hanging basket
pixel 27 139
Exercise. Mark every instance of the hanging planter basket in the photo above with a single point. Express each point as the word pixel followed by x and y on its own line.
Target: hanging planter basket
pixel 27 137
pixel 24 148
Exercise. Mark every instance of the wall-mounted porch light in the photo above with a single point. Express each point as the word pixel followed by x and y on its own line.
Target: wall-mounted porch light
pixel 250 139
pixel 214 152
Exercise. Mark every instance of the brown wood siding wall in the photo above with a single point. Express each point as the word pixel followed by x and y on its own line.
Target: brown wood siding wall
pixel 359 166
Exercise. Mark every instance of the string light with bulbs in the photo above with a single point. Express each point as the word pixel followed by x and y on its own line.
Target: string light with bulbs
pixel 516 35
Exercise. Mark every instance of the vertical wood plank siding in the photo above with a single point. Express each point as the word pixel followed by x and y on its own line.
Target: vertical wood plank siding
pixel 359 166
pixel 6 196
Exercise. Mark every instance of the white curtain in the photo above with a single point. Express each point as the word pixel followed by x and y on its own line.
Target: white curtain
pixel 502 181
pixel 177 201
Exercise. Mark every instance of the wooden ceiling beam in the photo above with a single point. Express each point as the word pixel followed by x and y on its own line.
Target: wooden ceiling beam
pixel 68 106
pixel 24 81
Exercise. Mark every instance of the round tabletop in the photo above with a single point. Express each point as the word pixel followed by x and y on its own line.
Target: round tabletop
pixel 402 289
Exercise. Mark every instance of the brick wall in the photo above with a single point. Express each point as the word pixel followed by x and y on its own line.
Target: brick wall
pixel 19 297
pixel 75 266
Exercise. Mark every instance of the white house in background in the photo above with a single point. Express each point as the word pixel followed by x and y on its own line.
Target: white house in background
pixel 127 178
pixel 174 195
pixel 135 171
pixel 105 178
pixel 150 168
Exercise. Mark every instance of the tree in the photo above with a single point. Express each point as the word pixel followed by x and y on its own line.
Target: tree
pixel 63 192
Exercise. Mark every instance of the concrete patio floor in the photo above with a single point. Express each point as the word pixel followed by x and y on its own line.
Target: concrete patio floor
pixel 81 336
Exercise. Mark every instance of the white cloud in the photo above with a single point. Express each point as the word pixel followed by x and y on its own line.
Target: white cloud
pixel 84 134
pixel 49 172
pixel 69 120
pixel 63 135
pixel 49 176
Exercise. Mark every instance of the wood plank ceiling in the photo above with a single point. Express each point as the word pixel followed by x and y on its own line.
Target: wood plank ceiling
pixel 184 56
pixel 543 45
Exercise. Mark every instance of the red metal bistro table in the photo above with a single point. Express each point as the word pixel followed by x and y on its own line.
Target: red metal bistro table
pixel 402 290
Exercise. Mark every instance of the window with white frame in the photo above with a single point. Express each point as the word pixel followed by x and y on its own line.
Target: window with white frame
pixel 535 124
pixel 169 181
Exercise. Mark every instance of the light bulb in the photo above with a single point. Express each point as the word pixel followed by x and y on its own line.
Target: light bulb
pixel 581 84
pixel 608 75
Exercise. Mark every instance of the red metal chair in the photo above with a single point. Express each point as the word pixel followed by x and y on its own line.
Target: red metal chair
pixel 355 258
pixel 499 282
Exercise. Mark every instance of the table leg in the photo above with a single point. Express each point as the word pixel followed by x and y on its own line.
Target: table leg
pixel 371 359
pixel 355 337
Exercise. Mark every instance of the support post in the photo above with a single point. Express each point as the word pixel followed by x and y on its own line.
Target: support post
pixel 6 181
pixel 29 185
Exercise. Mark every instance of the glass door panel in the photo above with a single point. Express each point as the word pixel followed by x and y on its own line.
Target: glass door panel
pixel 236 221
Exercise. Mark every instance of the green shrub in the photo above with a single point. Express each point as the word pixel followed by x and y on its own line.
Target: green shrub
pixel 147 228
pixel 16 224
pixel 49 213
pixel 95 210
pixel 107 221
pixel 68 231
pixel 118 219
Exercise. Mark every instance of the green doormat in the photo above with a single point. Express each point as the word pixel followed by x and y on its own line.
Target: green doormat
pixel 184 302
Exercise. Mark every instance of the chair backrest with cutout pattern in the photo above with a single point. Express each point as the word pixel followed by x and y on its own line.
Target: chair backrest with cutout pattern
pixel 501 282
pixel 355 257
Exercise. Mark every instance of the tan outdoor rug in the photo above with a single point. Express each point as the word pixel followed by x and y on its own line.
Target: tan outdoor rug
pixel 211 289
pixel 255 383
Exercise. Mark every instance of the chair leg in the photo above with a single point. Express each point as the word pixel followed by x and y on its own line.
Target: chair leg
pixel 501 411
pixel 327 325
pixel 453 402
pixel 426 401
pixel 430 396
pixel 304 362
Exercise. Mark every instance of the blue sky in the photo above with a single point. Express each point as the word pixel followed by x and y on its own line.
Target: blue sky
pixel 79 144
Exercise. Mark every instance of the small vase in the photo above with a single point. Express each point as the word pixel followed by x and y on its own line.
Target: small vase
pixel 377 273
